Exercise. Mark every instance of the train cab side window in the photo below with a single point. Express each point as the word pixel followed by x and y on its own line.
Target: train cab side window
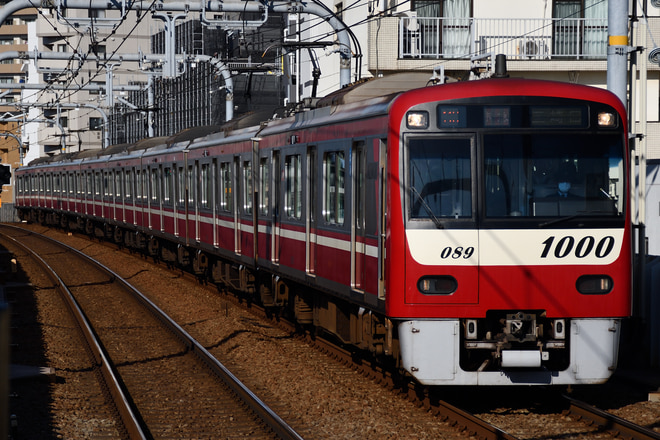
pixel 334 180
pixel 247 187
pixel 440 178
pixel 293 194
pixel 225 187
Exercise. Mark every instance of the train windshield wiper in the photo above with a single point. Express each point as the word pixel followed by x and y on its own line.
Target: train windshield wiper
pixel 427 208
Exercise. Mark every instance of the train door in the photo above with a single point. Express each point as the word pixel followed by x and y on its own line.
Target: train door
pixel 237 203
pixel 167 204
pixel 275 208
pixel 192 210
pixel 156 198
pixel 129 196
pixel 180 200
pixel 382 214
pixel 204 202
pixel 311 183
pixel 248 239
pixel 226 206
pixel 137 196
pixel 358 244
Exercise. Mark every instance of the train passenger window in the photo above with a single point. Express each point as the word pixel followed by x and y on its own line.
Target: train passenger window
pixel 334 174
pixel 191 186
pixel 90 184
pixel 205 187
pixel 138 182
pixel 155 186
pixel 118 180
pixel 264 184
pixel 128 184
pixel 181 187
pixel 440 178
pixel 293 181
pixel 225 187
pixel 247 187
pixel 98 184
pixel 167 185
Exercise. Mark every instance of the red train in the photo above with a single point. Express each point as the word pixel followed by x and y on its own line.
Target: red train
pixel 475 232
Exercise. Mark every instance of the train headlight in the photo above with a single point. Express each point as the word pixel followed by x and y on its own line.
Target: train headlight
pixel 437 285
pixel 417 119
pixel 606 119
pixel 594 284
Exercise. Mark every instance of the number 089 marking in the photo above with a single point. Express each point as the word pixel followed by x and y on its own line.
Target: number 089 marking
pixel 566 246
pixel 457 252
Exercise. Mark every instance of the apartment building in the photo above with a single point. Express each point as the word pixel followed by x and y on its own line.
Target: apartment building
pixel 81 57
pixel 13 37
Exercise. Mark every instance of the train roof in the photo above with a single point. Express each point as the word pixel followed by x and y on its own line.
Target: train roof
pixel 386 88
pixel 367 98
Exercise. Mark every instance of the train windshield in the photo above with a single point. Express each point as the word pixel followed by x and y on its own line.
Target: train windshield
pixel 548 175
pixel 521 175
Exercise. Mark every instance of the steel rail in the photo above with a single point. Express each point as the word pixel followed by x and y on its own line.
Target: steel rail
pixel 128 416
pixel 260 408
pixel 609 421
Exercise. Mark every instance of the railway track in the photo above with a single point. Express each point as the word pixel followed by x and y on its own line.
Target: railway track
pixel 571 419
pixel 618 426
pixel 162 382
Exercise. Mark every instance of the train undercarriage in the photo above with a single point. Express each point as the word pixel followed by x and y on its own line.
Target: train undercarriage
pixel 349 324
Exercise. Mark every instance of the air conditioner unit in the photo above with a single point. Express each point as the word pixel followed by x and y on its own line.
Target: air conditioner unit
pixel 532 48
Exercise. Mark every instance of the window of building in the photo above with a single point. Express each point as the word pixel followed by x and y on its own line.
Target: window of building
pixel 581 28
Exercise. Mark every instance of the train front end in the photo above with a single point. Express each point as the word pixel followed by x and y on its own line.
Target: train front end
pixel 508 240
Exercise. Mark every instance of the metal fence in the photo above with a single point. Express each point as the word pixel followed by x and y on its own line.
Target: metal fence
pixel 533 39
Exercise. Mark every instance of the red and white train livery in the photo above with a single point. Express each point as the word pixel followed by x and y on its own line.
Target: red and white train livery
pixel 475 232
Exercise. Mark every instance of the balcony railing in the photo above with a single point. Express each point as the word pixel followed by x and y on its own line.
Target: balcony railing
pixel 529 39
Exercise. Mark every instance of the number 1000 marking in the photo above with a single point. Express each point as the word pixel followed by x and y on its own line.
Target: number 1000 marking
pixel 584 247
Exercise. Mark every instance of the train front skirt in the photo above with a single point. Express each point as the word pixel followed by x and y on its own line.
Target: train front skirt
pixel 430 351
